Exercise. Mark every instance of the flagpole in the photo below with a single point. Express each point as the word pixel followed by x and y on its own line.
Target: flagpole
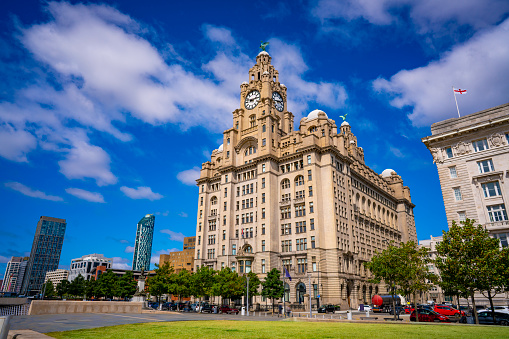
pixel 455 100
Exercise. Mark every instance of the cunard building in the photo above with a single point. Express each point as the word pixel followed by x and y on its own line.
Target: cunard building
pixel 274 195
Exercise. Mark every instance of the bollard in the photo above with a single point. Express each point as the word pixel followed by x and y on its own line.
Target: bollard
pixel 331 317
pixel 324 316
pixel 367 314
pixel 349 315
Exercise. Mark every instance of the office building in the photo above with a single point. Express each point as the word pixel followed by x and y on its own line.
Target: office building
pixel 45 254
pixel 143 243
pixel 86 264
pixel 57 276
pixel 182 259
pixel 14 274
pixel 273 196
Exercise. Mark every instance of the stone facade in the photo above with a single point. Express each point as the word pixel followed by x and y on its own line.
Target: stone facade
pixel 57 276
pixel 435 294
pixel 472 158
pixel 272 196
pixel 181 260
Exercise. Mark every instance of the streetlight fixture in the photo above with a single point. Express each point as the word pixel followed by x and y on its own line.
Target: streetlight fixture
pixel 318 285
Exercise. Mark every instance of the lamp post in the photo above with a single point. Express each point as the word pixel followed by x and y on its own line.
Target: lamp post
pixel 318 285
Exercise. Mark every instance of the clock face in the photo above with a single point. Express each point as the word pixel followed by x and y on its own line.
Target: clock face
pixel 278 101
pixel 252 99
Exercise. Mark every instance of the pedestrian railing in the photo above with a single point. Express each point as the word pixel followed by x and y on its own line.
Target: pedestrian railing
pixel 14 310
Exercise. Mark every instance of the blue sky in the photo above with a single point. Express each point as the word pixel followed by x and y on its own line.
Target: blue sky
pixel 108 109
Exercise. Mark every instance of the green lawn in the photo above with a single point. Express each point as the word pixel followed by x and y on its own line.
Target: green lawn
pixel 286 329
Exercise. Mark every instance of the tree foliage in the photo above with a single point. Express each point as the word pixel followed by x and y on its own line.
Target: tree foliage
pixel 158 284
pixel 125 286
pixel 49 289
pixel 63 288
pixel 227 284
pixel 272 286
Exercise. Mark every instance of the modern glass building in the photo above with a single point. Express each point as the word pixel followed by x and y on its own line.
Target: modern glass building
pixel 143 243
pixel 45 254
pixel 14 273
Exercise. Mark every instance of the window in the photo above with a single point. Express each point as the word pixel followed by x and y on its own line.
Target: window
pixel 252 121
pixel 311 208
pixel 457 193
pixel 224 206
pixel 312 223
pixel 223 250
pixel 448 151
pixel 315 290
pixel 263 213
pixel 199 240
pixel 237 125
pixel 299 180
pixel 263 265
pixel 302 265
pixel 491 189
pixel 263 182
pixel 202 188
pixel 224 234
pixel 264 142
pixel 310 177
pixel 312 242
pixel 480 145
pixel 226 178
pixel 199 226
pixel 201 214
pixel 198 254
pixel 263 229
pixel 264 128
pixel 234 249
pixel 310 189
pixel 301 244
pixel 300 210
pixel 263 245
pixel 314 263
pixel 497 213
pixel 462 216
pixel 224 219
pixel 309 159
pixel 225 192
pixel 228 141
pixel 485 166
pixel 503 238
pixel 227 154
pixel 300 227
pixel 452 172
pixel 238 191
pixel 286 212
pixel 285 183
pixel 286 246
pixel 263 198
pixel 263 168
pixel 286 229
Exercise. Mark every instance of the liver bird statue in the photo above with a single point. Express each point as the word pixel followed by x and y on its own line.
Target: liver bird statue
pixel 264 45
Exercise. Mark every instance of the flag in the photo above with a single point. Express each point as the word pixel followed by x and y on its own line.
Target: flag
pixel 287 274
pixel 460 91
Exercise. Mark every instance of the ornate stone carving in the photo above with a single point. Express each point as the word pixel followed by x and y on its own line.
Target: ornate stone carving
pixel 496 140
pixel 436 153
pixel 462 148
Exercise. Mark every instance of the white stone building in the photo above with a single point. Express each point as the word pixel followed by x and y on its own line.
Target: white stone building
pixel 86 265
pixel 56 276
pixel 14 274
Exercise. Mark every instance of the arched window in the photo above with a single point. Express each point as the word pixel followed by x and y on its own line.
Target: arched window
pixel 285 183
pixel 213 200
pixel 287 292
pixel 301 290
pixel 299 180
pixel 252 121
pixel 248 249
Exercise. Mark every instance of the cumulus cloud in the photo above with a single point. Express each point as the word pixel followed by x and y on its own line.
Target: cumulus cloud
pixel 15 143
pixel 189 177
pixel 31 192
pixel 121 263
pixel 427 16
pixel 155 258
pixel 129 249
pixel 4 260
pixel 479 65
pixel 85 195
pixel 174 235
pixel 183 214
pixel 141 192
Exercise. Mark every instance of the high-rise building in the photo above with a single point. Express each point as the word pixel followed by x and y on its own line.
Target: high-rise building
pixel 57 276
pixel 45 254
pixel 181 260
pixel 86 264
pixel 14 273
pixel 435 294
pixel 472 158
pixel 274 197
pixel 143 243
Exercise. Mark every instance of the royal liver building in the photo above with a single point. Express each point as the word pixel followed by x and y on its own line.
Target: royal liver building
pixel 273 196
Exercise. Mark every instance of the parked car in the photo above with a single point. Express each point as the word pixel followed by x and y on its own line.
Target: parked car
pixel 326 309
pixel 486 317
pixel 409 309
pixel 208 308
pixel 153 305
pixel 503 309
pixel 448 311
pixel 366 308
pixel 399 310
pixel 426 315
pixel 228 310
pixel 169 306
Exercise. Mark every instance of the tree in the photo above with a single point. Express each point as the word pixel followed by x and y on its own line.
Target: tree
pixel 202 282
pixel 63 288
pixel 77 287
pixel 254 283
pixel 106 285
pixel 272 286
pixel 470 260
pixel 158 284
pixel 49 289
pixel 180 284
pixel 125 286
pixel 386 266
pixel 90 286
pixel 227 284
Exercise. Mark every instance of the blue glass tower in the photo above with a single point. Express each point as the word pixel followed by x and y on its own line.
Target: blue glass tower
pixel 143 243
pixel 45 254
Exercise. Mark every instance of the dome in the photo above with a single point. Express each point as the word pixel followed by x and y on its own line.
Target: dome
pixel 265 72
pixel 220 148
pixel 263 52
pixel 314 114
pixel 283 85
pixel 387 173
pixel 245 83
pixel 344 123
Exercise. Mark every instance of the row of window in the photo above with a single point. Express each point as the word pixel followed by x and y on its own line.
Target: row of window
pixel 300 211
pixel 477 145
pixel 286 245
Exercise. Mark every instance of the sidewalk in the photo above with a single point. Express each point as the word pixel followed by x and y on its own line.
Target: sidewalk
pixel 26 334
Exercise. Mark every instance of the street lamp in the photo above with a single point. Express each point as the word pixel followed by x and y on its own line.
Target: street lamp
pixel 318 285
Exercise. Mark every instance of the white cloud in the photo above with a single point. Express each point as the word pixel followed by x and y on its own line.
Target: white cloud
pixel 189 177
pixel 129 249
pixel 88 161
pixel 121 263
pixel 396 152
pixel 183 214
pixel 427 16
pixel 15 143
pixel 85 195
pixel 4 260
pixel 219 34
pixel 123 241
pixel 31 192
pixel 174 235
pixel 141 192
pixel 479 65
pixel 155 258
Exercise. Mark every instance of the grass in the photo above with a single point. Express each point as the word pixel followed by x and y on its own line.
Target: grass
pixel 283 329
